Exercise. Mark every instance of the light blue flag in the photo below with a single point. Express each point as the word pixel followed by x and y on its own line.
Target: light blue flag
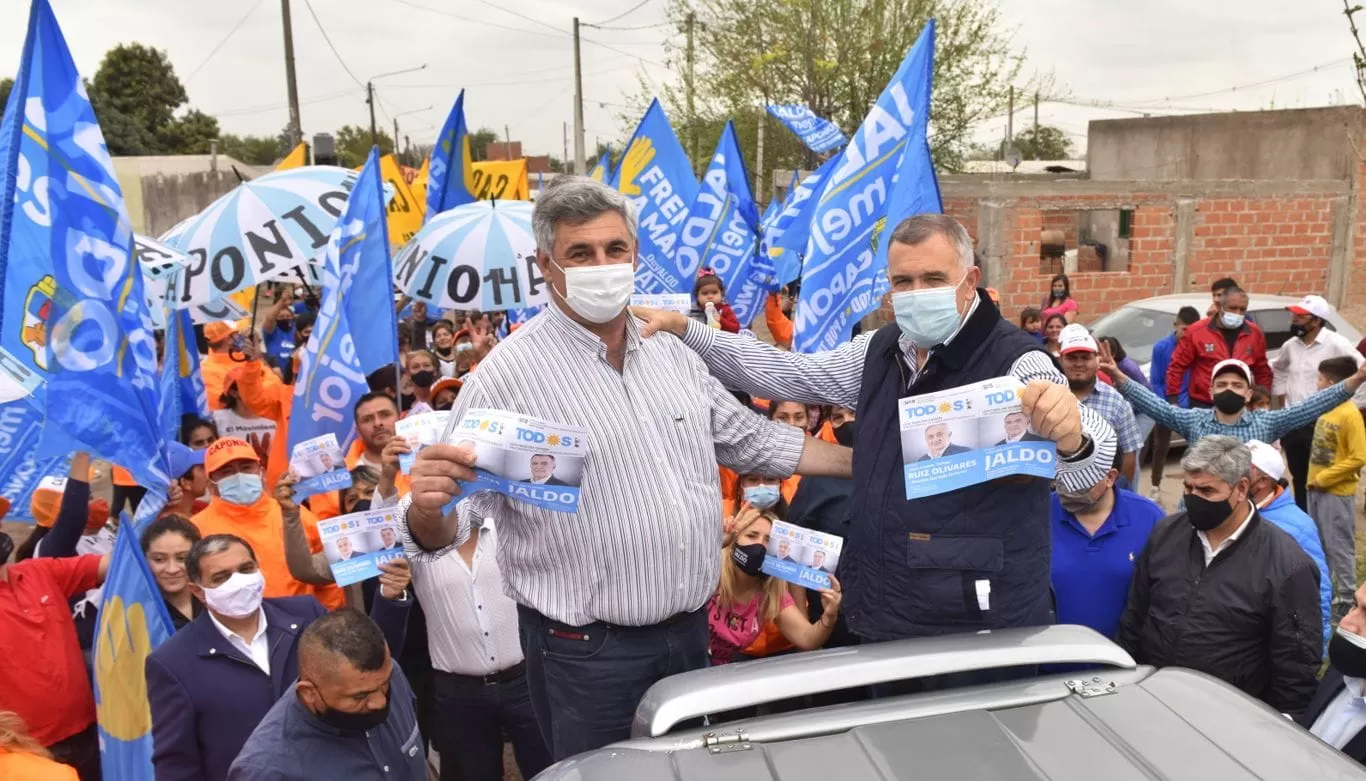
pixel 602 170
pixel 770 212
pixel 21 469
pixel 133 622
pixel 193 394
pixel 353 335
pixel 449 175
pixel 75 330
pixel 819 135
pixel 656 175
pixel 786 236
pixel 722 232
pixel 886 159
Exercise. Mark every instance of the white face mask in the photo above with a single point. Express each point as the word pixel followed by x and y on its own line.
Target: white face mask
pixel 239 596
pixel 598 293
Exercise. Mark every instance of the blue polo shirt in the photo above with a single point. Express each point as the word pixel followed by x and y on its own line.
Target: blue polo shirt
pixel 1091 574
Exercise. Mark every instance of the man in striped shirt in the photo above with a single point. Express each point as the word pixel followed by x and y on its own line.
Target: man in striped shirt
pixel 609 598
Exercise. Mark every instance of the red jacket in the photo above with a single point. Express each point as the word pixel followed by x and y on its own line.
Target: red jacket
pixel 1204 345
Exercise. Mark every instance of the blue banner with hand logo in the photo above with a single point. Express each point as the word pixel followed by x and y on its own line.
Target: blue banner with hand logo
pixel 450 181
pixel 819 135
pixel 656 175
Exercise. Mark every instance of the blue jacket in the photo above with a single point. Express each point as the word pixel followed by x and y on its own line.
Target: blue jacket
pixel 1284 513
pixel 910 568
pixel 1157 370
pixel 207 697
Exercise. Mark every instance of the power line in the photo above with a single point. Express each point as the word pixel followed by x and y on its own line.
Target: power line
pixel 504 83
pixel 620 51
pixel 631 28
pixel 277 106
pixel 309 5
pixel 448 14
pixel 231 32
pixel 623 14
pixel 520 15
pixel 1264 82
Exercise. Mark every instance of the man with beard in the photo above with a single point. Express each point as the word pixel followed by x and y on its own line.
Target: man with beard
pixel 1337 713
pixel 1080 363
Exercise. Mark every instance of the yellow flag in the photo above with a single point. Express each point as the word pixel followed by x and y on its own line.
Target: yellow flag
pixel 405 210
pixel 501 179
pixel 419 185
pixel 297 158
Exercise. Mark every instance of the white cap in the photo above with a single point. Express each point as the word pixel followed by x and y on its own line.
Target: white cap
pixel 1075 338
pixel 1312 305
pixel 1267 458
pixel 1233 363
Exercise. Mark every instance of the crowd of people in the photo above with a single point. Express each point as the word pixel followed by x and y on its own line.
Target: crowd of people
pixel 510 623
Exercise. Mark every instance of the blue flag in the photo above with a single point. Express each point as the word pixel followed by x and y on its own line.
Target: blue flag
pixel 450 178
pixel 770 212
pixel 786 236
pixel 885 162
pixel 193 394
pixel 656 175
pixel 819 135
pixel 354 332
pixel 602 170
pixel 21 468
pixel 133 622
pixel 722 231
pixel 75 330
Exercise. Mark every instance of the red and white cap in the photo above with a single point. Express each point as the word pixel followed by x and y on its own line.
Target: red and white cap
pixel 1312 305
pixel 1075 338
pixel 1232 364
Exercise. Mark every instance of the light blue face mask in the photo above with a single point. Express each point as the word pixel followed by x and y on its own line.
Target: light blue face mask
pixel 762 497
pixel 241 489
pixel 927 317
pixel 1232 320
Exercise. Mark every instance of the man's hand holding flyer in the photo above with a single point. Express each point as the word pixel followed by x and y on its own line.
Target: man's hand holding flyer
pixel 955 438
pixel 320 467
pixel 420 431
pixel 358 543
pixel 522 457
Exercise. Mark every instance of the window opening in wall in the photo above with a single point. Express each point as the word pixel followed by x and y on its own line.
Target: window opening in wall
pixel 1085 240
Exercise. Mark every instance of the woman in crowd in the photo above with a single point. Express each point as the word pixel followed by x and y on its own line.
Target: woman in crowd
pixel 444 393
pixel 166 543
pixel 1052 330
pixel 24 759
pixel 422 370
pixel 793 413
pixel 1060 300
pixel 197 433
pixel 444 347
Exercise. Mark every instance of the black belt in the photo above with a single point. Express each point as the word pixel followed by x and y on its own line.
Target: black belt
pixel 502 676
pixel 537 617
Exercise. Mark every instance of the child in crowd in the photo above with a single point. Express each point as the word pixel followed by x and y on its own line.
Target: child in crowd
pixel 1335 461
pixel 708 292
pixel 1031 322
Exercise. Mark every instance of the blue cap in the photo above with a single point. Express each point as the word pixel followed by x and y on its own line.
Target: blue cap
pixel 183 459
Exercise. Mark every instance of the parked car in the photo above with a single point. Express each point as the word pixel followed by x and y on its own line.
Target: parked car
pixel 1119 722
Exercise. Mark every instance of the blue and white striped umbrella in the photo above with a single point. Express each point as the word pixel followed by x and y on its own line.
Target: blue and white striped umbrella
pixel 263 230
pixel 481 255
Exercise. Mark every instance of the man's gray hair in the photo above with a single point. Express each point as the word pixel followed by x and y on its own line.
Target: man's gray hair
pixel 920 228
pixel 1224 457
pixel 212 545
pixel 575 200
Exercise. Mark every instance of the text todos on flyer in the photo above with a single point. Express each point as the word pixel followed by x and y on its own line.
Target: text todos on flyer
pixel 356 544
pixel 955 438
pixel 523 457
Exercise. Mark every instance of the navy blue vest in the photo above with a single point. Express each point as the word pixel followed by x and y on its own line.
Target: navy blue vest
pixel 910 567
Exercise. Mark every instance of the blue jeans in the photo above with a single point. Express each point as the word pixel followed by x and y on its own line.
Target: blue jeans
pixel 586 681
pixel 472 717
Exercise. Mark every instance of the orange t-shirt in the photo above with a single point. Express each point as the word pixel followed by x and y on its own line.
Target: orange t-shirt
pixel 262 525
pixel 271 399
pixel 20 766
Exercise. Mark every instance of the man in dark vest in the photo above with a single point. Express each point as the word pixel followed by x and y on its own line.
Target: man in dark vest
pixel 972 559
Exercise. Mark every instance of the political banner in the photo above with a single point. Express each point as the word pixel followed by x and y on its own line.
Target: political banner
pixel 420 431
pixel 320 466
pixel 257 432
pixel 839 272
pixel 21 470
pixel 968 435
pixel 405 210
pixel 657 177
pixel 297 158
pixel 819 135
pixel 190 382
pixel 786 236
pixel 602 170
pixel 802 556
pixel 670 302
pixel 504 180
pixel 522 457
pixel 356 544
pixel 75 333
pixel 450 171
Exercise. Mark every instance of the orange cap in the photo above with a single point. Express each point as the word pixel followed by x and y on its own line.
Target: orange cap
pixel 227 450
pixel 217 332
pixel 4 507
pixel 44 506
pixel 447 383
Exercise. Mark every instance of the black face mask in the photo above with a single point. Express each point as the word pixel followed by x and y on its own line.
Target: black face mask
pixel 361 505
pixel 749 558
pixel 1346 656
pixel 1297 330
pixel 6 547
pixel 1229 402
pixel 844 433
pixel 409 400
pixel 1205 514
pixel 354 722
pixel 424 379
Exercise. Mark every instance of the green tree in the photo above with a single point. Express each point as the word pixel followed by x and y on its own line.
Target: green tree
pixel 836 56
pixel 479 142
pixel 353 145
pixel 1050 144
pixel 140 83
pixel 6 84
pixel 253 150
pixel 191 134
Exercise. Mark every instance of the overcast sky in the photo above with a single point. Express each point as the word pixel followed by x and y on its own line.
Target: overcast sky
pixel 518 70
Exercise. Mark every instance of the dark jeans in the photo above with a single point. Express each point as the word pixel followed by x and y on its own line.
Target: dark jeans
pixel 1162 444
pixel 81 751
pixel 1297 444
pixel 586 681
pixel 473 716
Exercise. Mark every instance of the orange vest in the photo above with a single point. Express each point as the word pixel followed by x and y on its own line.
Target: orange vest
pixel 21 766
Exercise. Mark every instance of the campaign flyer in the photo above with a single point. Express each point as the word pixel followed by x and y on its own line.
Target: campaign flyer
pixel 524 458
pixel 420 431
pixel 356 544
pixel 671 302
pixel 964 436
pixel 320 466
pixel 802 556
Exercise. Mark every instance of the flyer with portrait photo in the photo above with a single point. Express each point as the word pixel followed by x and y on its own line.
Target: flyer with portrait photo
pixel 420 431
pixel 320 466
pixel 964 436
pixel 523 457
pixel 356 544
pixel 802 556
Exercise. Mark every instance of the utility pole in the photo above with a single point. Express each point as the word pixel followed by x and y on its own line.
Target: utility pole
pixel 580 167
pixel 692 112
pixel 759 163
pixel 564 161
pixel 1010 121
pixel 370 99
pixel 296 132
pixel 1036 118
pixel 507 140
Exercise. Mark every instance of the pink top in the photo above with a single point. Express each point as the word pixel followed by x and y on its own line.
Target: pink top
pixel 1070 305
pixel 735 628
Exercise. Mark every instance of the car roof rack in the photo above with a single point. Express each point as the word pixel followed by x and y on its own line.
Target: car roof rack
pixel 691 695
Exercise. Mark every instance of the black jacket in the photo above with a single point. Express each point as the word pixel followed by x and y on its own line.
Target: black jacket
pixel 1250 618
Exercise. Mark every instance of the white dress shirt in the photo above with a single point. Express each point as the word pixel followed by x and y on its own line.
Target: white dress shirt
pixel 1210 553
pixel 1344 717
pixel 258 650
pixel 471 623
pixel 1297 366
